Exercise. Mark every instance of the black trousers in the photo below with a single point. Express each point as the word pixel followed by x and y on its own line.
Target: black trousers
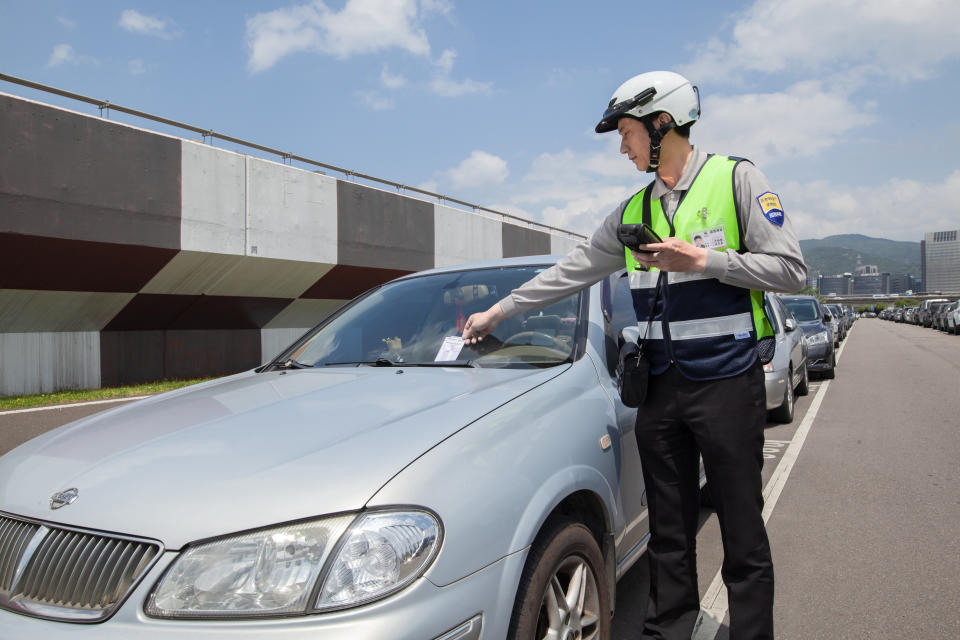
pixel 722 420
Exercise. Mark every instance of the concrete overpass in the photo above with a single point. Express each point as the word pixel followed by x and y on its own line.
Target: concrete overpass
pixel 127 255
pixel 889 299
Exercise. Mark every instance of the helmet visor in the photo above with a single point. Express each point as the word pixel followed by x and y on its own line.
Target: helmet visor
pixel 617 110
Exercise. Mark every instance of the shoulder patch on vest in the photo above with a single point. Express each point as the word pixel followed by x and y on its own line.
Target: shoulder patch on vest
pixel 771 207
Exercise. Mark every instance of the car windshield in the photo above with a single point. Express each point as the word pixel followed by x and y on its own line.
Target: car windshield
pixel 418 321
pixel 803 310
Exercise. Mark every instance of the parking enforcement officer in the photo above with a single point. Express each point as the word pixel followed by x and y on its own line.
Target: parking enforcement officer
pixel 706 395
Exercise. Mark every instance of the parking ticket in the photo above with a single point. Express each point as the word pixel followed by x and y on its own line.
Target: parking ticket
pixel 450 349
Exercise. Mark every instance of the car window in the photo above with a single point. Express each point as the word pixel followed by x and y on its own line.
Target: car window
pixel 618 302
pixel 407 322
pixel 804 310
pixel 771 314
pixel 784 309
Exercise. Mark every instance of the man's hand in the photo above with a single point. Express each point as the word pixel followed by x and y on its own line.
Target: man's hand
pixel 480 324
pixel 673 254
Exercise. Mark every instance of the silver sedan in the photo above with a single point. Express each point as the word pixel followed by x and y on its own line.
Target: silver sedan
pixel 379 479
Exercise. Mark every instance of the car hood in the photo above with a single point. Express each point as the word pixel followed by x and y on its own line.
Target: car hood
pixel 251 450
pixel 812 326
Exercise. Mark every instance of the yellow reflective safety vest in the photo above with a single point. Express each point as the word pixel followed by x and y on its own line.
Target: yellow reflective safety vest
pixel 708 329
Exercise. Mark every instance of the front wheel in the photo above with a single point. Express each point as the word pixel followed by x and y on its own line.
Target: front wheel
pixel 831 373
pixel 784 413
pixel 563 591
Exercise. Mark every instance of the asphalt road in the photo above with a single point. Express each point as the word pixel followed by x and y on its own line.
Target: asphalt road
pixel 864 506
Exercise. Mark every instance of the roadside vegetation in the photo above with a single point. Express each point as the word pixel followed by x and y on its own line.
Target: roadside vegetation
pixel 84 395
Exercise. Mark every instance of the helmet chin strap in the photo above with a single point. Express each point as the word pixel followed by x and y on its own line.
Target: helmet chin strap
pixel 656 137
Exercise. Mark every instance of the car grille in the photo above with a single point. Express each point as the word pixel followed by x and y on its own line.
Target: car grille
pixel 63 573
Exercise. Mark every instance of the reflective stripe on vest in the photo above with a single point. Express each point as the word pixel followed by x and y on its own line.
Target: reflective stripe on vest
pixel 707 328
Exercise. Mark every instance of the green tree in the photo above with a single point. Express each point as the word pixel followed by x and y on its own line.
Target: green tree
pixel 810 291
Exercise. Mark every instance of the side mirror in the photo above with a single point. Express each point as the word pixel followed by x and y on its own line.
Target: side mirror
pixel 630 333
pixel 790 324
pixel 827 317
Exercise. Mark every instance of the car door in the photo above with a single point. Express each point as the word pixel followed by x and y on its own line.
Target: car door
pixel 618 312
pixel 798 350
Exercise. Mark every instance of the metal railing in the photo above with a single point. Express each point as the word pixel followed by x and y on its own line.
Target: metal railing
pixel 286 156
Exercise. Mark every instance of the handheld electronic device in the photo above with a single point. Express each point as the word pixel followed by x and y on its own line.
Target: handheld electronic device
pixel 634 235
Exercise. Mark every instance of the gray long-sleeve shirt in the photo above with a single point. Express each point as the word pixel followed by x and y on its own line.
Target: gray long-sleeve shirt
pixel 772 262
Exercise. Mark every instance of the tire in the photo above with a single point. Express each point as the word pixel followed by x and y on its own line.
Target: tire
pixel 831 373
pixel 784 413
pixel 804 387
pixel 563 561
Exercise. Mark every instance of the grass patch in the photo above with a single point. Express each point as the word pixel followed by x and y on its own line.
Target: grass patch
pixel 84 395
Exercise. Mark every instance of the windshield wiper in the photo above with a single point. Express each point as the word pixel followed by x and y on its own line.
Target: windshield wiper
pixel 379 362
pixel 384 362
pixel 443 363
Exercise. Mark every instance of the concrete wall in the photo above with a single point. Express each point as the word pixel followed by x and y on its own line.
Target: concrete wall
pixel 129 256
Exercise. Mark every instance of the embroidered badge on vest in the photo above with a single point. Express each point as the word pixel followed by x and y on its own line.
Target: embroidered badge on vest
pixel 771 207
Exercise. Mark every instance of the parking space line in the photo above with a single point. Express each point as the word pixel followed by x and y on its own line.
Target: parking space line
pixel 713 606
pixel 72 404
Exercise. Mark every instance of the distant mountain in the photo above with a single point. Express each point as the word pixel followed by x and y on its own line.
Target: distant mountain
pixel 838 254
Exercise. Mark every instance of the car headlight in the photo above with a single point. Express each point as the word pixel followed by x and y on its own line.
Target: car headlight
pixel 821 337
pixel 274 572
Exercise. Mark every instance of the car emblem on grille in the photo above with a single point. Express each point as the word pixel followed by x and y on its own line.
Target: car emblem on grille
pixel 63 498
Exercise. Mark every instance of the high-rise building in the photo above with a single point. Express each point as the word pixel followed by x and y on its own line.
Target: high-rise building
pixel 903 282
pixel 940 261
pixel 841 285
pixel 871 283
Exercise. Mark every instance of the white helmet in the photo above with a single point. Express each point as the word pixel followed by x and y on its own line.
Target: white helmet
pixel 650 93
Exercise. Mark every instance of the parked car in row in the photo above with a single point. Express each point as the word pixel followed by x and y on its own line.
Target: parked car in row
pixel 951 313
pixel 814 321
pixel 378 479
pixel 935 313
pixel 786 374
pixel 837 326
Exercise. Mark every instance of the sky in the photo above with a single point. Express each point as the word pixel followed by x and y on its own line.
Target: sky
pixel 849 108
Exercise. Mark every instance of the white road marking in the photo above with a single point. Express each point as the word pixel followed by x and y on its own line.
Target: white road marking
pixel 714 605
pixel 72 404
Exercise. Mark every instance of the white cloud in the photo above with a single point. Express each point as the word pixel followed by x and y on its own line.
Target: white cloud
pixel 480 169
pixel 443 85
pixel 62 53
pixel 136 22
pixel 800 122
pixel 822 208
pixel 390 80
pixel 375 101
pixel 66 23
pixel 362 26
pixel 136 66
pixel 886 37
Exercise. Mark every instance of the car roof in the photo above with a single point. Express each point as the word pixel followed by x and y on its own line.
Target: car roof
pixel 522 261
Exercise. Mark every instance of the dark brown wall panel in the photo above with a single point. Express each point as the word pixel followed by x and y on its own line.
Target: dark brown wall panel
pixel 344 282
pixel 168 311
pixel 54 264
pixel 66 175
pixel 379 229
pixel 194 354
pixel 520 241
pixel 130 357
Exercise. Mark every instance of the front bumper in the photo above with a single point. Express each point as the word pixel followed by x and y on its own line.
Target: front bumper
pixel 819 356
pixel 477 607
